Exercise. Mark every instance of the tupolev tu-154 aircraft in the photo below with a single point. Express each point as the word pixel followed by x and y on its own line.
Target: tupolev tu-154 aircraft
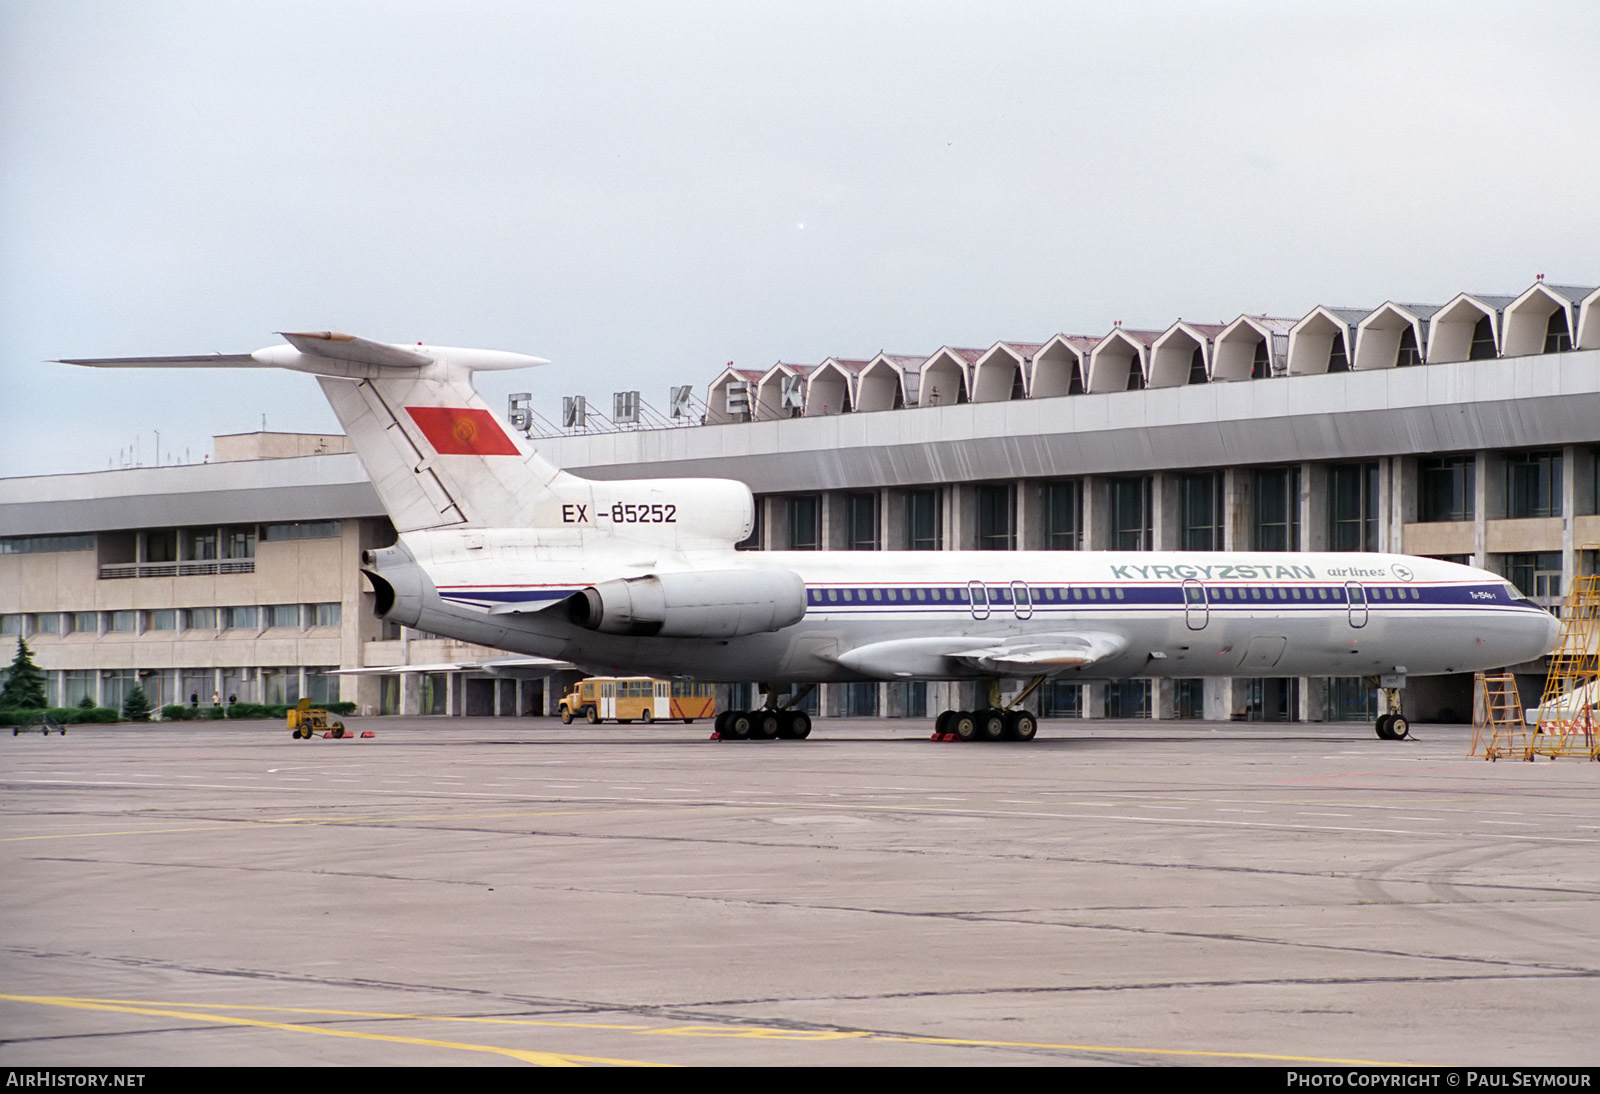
pixel 499 547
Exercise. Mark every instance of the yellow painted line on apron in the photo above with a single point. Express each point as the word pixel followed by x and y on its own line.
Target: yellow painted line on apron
pixel 134 1006
pixel 544 1059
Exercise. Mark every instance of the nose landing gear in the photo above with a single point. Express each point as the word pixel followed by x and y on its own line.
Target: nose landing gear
pixel 1392 726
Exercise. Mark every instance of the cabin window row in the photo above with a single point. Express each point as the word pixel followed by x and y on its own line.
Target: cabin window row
pixel 1020 592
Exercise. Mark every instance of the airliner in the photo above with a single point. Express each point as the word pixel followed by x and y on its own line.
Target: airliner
pixel 499 547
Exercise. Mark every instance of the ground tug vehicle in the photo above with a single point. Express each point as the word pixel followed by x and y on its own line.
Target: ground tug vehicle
pixel 305 721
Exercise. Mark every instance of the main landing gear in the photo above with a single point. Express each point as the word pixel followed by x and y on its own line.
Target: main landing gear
pixel 771 722
pixel 992 723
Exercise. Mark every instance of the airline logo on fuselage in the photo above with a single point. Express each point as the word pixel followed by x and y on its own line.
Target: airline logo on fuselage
pixel 462 431
pixel 1255 571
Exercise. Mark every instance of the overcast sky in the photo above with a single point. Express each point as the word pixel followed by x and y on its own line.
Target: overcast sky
pixel 642 192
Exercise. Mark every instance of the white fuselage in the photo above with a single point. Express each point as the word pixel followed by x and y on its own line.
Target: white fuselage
pixel 888 615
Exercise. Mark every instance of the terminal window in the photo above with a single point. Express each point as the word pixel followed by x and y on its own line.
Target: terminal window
pixel 1275 509
pixel 1200 503
pixel 1533 484
pixel 997 517
pixel 1447 486
pixel 1063 515
pixel 924 520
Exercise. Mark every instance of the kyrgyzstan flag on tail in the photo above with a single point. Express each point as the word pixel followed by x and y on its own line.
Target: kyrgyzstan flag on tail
pixel 462 431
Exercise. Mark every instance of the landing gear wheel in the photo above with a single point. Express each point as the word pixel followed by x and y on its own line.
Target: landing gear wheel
pixel 720 724
pixel 1021 726
pixel 991 724
pixel 1399 728
pixel 964 724
pixel 941 724
pixel 765 724
pixel 591 715
pixel 740 725
pixel 799 725
pixel 1382 727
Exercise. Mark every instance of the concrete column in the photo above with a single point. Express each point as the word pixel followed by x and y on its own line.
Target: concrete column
pixel 825 522
pixel 410 693
pixel 1480 509
pixel 1166 516
pixel 1030 514
pixel 1569 510
pixel 1235 510
pixel 1314 530
pixel 895 530
pixel 1391 513
pixel 1239 697
pixel 884 528
pixel 1313 699
pixel 778 523
pixel 960 526
pixel 1163 699
pixel 1093 702
pixel 1021 526
pixel 1096 515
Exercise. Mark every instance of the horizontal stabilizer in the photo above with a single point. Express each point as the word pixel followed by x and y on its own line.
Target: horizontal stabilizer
pixel 196 360
pixel 331 353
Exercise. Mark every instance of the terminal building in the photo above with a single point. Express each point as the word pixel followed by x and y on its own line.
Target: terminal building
pixel 1468 430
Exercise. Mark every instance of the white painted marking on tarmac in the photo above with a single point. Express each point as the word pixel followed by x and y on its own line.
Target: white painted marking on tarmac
pixel 822 818
pixel 1305 814
pixel 1523 824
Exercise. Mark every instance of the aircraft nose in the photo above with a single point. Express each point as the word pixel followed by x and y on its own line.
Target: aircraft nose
pixel 1542 630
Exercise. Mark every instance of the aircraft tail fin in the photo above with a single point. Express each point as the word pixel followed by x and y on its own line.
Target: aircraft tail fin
pixel 440 458
pixel 435 452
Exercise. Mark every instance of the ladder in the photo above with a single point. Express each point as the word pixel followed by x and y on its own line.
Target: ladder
pixel 1564 724
pixel 1497 726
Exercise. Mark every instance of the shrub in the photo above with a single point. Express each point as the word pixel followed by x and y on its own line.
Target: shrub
pixel 65 715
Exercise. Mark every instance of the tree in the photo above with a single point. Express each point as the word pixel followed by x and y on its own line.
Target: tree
pixel 24 688
pixel 136 707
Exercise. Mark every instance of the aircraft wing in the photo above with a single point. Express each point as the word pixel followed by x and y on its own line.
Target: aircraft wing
pixel 1018 655
pixel 494 666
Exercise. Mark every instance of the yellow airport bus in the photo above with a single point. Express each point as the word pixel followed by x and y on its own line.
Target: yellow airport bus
pixel 638 699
